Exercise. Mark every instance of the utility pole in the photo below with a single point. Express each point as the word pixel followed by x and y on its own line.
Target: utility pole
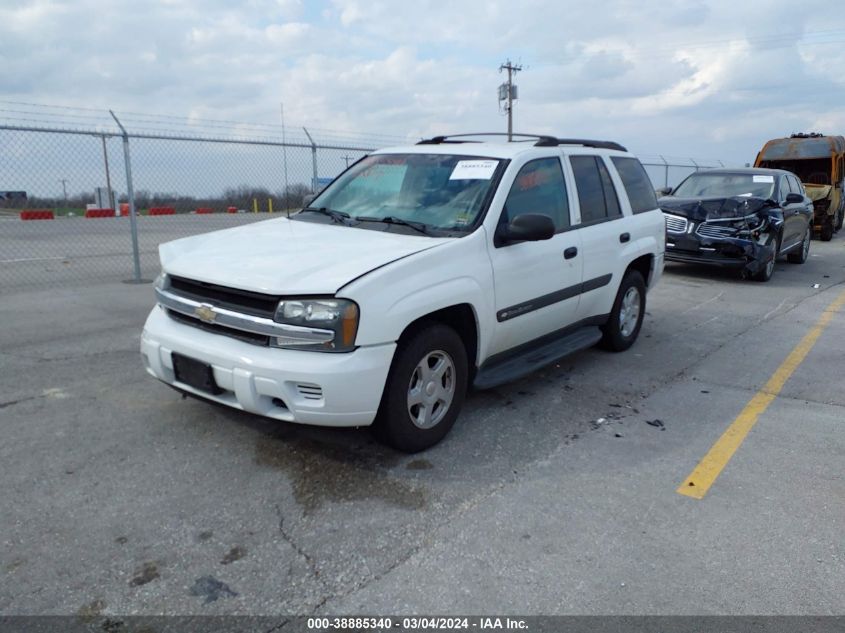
pixel 507 92
pixel 64 188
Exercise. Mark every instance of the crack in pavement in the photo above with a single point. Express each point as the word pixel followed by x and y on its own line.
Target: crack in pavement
pixel 11 403
pixel 429 540
pixel 42 359
pixel 752 390
pixel 309 560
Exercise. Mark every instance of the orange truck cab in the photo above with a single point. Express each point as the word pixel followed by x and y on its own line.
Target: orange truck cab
pixel 819 162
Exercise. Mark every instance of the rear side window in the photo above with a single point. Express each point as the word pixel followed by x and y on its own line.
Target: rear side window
pixel 539 188
pixel 596 193
pixel 636 182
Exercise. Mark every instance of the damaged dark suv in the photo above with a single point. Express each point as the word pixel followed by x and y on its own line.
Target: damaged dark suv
pixel 739 218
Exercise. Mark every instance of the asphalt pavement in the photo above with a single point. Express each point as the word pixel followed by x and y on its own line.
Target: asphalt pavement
pixel 557 494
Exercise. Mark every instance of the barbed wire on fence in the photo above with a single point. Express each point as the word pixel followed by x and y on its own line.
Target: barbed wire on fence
pixel 119 186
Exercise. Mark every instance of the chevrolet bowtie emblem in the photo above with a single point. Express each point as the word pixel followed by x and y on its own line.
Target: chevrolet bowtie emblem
pixel 205 313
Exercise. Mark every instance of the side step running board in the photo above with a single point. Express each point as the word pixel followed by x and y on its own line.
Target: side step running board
pixel 534 358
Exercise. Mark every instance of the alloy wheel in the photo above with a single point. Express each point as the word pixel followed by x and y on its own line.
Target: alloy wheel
pixel 431 389
pixel 629 312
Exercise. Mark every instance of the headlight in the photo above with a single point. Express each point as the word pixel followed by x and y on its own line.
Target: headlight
pixel 160 282
pixel 317 318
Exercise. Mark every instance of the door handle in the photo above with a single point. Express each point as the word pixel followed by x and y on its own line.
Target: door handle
pixel 625 237
pixel 570 252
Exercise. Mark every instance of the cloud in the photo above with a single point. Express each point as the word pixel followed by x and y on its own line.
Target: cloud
pixel 712 79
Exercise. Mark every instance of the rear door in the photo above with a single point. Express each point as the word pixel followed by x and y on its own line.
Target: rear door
pixel 602 229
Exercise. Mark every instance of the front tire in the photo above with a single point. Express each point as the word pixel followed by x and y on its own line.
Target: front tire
pixel 626 316
pixel 766 272
pixel 425 389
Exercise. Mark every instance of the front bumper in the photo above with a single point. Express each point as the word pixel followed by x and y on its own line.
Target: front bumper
pixel 319 388
pixel 726 252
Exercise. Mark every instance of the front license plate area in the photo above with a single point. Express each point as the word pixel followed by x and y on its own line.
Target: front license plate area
pixel 195 373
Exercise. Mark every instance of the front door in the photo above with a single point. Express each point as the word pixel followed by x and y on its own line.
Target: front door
pixel 537 284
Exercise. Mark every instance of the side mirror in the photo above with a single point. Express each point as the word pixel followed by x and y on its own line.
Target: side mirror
pixel 663 191
pixel 794 198
pixel 528 227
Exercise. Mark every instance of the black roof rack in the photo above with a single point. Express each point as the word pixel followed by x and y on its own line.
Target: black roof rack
pixel 584 142
pixel 541 140
pixel 453 138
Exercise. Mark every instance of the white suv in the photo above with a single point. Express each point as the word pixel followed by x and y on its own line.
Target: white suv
pixel 419 271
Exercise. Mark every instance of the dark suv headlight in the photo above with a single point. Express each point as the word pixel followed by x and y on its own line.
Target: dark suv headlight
pixel 323 325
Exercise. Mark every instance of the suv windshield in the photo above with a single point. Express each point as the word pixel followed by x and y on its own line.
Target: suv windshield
pixel 417 192
pixel 704 185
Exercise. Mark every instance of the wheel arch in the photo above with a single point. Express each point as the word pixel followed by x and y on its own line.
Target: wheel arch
pixel 644 264
pixel 460 317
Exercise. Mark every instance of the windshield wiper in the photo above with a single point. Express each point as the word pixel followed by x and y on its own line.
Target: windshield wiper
pixel 338 217
pixel 421 227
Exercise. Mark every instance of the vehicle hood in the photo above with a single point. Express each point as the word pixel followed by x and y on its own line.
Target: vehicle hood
pixel 817 192
pixel 701 209
pixel 281 256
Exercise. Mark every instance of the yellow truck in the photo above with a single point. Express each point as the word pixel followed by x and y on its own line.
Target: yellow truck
pixel 819 162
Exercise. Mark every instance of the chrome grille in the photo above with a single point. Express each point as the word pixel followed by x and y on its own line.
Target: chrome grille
pixel 717 231
pixel 675 223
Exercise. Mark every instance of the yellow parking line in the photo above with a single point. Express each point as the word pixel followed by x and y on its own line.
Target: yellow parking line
pixel 708 469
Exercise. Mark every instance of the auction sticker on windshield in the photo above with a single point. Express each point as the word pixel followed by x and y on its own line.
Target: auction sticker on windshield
pixel 474 170
pixel 764 178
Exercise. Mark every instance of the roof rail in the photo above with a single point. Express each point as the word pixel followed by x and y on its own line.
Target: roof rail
pixel 450 138
pixel 541 140
pixel 583 142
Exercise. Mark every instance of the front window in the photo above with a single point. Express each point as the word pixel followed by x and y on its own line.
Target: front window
pixel 443 194
pixel 704 185
pixel 539 187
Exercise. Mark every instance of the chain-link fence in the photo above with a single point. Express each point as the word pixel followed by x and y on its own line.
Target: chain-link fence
pixel 668 171
pixel 113 193
pixel 112 196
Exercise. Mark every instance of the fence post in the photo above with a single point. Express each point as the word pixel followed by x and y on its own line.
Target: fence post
pixel 313 161
pixel 130 193
pixel 665 171
pixel 697 168
pixel 112 202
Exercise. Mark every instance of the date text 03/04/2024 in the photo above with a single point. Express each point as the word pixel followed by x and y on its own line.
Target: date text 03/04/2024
pixel 415 623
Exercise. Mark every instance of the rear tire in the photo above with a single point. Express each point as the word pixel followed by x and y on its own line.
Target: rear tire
pixel 626 316
pixel 827 230
pixel 425 389
pixel 800 256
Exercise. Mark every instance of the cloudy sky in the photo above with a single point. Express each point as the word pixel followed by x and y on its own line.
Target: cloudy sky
pixel 710 80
